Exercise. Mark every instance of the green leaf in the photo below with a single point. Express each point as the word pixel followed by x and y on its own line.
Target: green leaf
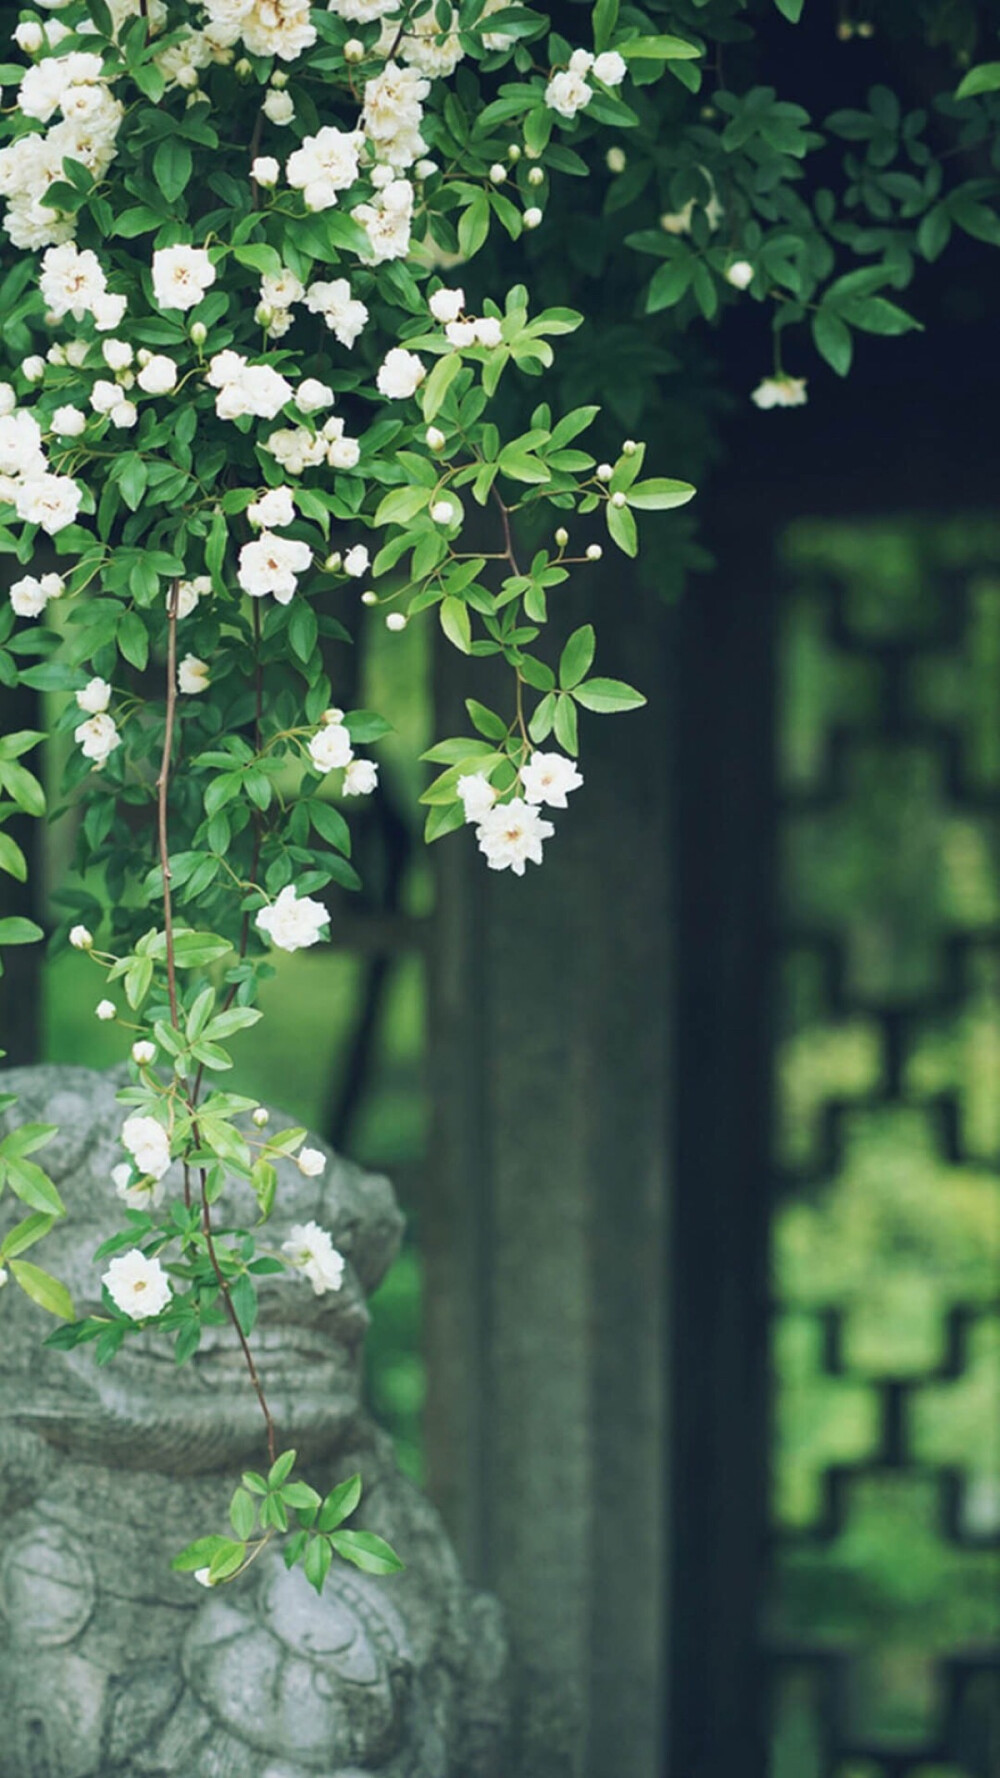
pixel 660 493
pixel 133 639
pixel 281 1469
pixel 199 1554
pixel 242 1514
pixel 622 528
pixel 791 9
pixel 474 225
pixel 259 258
pixel 22 785
pixel 43 1289
pixel 832 339
pixel 577 656
pixel 984 79
pixel 608 696
pixel 339 1504
pixel 316 1565
pixel 565 725
pixel 16 930
pixel 367 1551
pixel 172 167
pixel 215 549
pixel 438 383
pixel 23 1235
pixel 658 49
pixel 456 623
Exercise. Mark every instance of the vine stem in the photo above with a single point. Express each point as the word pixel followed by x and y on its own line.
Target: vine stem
pixel 163 790
pixel 509 556
pixel 206 1224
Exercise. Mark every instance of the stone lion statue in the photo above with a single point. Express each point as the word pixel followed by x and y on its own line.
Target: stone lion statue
pixel 112 1666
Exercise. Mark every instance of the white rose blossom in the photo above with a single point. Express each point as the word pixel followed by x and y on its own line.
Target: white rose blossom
pixel 98 737
pixel 271 564
pixel 273 511
pixel 548 777
pixel 193 676
pixel 293 922
pixel 476 794
pixel 181 276
pixel 94 697
pixel 311 1251
pixel 510 835
pixel 360 778
pixel 400 374
pixel 330 748
pixel 780 391
pixel 158 375
pixel 138 1286
pixel 311 1162
pixel 356 561
pixel 148 1144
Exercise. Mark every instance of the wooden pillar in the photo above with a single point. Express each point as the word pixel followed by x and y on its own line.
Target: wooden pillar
pixel 545 1232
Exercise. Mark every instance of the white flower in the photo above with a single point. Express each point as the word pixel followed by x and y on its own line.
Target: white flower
pixel 21 445
pixel 360 777
pixel 780 392
pixel 181 276
pixel 148 1144
pixel 581 61
pixel 476 795
pixel 265 170
pixel 400 374
pixel 312 396
pixel 98 737
pixel 4 1275
pixel 532 216
pixel 192 676
pixel 278 106
pixel 204 1577
pixel 80 938
pixel 279 290
pixel 137 1286
pixel 547 777
pixel 324 165
pixel 158 375
pixel 443 513
pixel 341 452
pixel 71 281
pixel 330 748
pixel 95 697
pixel 392 115
pixel 8 399
pixel 273 511
pixel 105 1010
pixel 678 222
pixel 487 331
pixel 261 1117
pixel 311 1162
pixel 296 448
pixel 426 46
pixel 272 27
pixel 29 36
pixel 387 222
pixel 447 305
pixel 51 501
pixel 108 311
pixel 32 367
pixel 593 552
pixel 117 354
pixel 434 438
pixel 271 564
pixel 356 561
pixel 293 922
pixel 395 620
pixel 69 421
pixel 124 414
pixel 189 592
pixel 29 595
pixel 461 333
pixel 104 396
pixel 246 388
pixel 510 836
pixel 344 315
pixel 311 1251
pixel 143 1052
pixel 740 274
pixel 568 93
pixel 609 68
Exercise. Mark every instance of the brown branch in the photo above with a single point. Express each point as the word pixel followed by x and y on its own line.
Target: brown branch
pixel 162 787
pixel 509 556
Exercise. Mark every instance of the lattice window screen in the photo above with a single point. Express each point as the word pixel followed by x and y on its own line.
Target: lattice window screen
pixel 883 1618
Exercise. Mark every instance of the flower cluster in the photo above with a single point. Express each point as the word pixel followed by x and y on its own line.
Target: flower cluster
pixel 510 832
pixel 72 88
pixel 569 90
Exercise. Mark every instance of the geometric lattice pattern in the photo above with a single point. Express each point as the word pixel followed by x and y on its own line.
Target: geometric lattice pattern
pixel 882 1628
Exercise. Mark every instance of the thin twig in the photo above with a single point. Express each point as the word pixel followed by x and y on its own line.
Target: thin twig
pixel 162 787
pixel 206 1223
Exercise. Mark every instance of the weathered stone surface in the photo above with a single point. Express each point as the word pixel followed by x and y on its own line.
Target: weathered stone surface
pixel 113 1667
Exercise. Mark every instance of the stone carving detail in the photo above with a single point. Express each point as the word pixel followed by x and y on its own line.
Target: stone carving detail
pixel 113 1667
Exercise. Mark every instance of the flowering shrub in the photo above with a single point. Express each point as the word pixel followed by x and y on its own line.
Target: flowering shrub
pixel 245 406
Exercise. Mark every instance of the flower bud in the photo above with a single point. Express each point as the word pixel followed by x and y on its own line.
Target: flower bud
pixel 616 160
pixel 369 598
pixel 80 938
pixel 105 1009
pixel 263 315
pixel 143 1052
pixel 740 274
pixel 536 176
pixel 354 50
pixel 866 28
pixel 243 69
pixel 532 217
pixel 332 563
pixel 593 552
pixel 562 537
pixel 265 171
pixel 29 36
pixel 514 152
pixel 604 472
pixel 332 716
pixel 33 368
pixel 56 354
pixel 533 154
pixel 618 500
pixel 395 620
pixel 186 77
pixel 629 448
pixel 261 1116
pixel 279 79
pixel 434 438
pixel 498 173
pixel 442 512
pixel 198 333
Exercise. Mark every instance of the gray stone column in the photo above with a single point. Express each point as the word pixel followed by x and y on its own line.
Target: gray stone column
pixel 545 1234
